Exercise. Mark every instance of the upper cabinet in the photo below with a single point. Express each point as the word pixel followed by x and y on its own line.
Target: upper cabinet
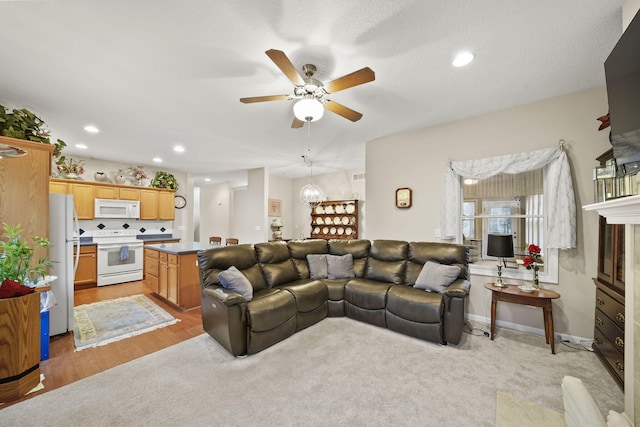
pixel 155 203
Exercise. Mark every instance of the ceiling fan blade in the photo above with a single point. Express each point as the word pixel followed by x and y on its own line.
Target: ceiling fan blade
pixel 364 75
pixel 280 59
pixel 297 123
pixel 265 98
pixel 343 111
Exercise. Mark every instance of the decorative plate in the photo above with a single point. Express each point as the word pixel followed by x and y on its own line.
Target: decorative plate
pixel 329 209
pixel 333 230
pixel 336 220
pixel 319 221
pixel 319 210
pixel 351 208
pixel 345 220
pixel 349 231
pixel 339 209
pixel 316 230
pixel 325 230
pixel 340 231
pixel 328 220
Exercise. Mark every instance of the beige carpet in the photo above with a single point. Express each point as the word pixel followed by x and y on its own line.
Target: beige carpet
pixel 514 412
pixel 337 372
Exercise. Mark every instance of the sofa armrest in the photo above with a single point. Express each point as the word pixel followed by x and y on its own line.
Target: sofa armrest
pixel 225 296
pixel 459 288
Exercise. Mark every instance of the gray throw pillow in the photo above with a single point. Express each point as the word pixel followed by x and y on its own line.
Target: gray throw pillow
pixel 317 266
pixel 340 266
pixel 235 281
pixel 436 277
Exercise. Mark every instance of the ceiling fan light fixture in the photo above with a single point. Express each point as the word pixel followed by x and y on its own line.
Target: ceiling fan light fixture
pixel 462 59
pixel 308 110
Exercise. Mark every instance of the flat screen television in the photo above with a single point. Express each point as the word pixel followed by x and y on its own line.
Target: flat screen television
pixel 622 70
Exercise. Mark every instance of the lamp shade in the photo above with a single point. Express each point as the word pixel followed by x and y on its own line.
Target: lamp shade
pixel 500 245
pixel 308 110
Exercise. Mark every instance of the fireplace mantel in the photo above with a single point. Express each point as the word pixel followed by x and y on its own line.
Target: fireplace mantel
pixel 625 210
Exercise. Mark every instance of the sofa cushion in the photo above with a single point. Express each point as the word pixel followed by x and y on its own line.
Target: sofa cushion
pixel 317 266
pixel 415 305
pixel 365 293
pixel 309 294
pixel 436 277
pixel 299 250
pixel 442 253
pixel 280 273
pixel 269 309
pixel 213 261
pixel 234 280
pixel 358 248
pixel 340 266
pixel 387 260
pixel 336 288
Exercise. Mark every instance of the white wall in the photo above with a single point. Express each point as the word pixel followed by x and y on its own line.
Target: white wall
pixel 418 160
pixel 282 189
pixel 248 220
pixel 215 209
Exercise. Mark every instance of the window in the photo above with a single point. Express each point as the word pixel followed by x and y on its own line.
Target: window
pixel 509 204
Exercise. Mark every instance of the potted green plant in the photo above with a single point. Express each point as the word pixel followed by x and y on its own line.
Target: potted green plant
pixel 16 257
pixel 164 180
pixel 23 124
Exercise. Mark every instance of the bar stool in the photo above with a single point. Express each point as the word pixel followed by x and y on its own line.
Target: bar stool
pixel 215 241
pixel 231 241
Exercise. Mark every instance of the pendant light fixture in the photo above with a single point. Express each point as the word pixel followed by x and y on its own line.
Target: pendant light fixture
pixel 310 194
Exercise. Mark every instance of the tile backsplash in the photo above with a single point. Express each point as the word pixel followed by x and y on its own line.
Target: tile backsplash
pixel 143 227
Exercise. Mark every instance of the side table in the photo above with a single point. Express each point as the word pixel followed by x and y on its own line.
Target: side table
pixel 538 298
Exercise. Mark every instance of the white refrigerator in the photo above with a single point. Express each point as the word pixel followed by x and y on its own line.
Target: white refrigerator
pixel 63 235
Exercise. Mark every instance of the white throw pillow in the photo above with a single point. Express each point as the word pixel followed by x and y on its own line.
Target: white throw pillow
pixel 317 266
pixel 436 277
pixel 235 281
pixel 340 266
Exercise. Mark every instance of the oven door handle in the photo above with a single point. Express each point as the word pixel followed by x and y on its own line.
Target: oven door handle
pixel 119 245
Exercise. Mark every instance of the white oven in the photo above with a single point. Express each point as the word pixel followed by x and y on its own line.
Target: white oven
pixel 120 256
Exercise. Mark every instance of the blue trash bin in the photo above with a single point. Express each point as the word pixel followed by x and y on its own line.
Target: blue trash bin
pixel 44 335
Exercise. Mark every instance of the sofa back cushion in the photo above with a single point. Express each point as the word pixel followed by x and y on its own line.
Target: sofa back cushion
pixel 276 263
pixel 442 253
pixel 387 261
pixel 213 261
pixel 299 249
pixel 359 249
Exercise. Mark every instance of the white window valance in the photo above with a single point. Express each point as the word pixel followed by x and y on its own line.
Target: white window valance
pixel 560 201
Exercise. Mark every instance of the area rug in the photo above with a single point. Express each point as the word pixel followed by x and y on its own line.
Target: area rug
pixel 514 412
pixel 107 321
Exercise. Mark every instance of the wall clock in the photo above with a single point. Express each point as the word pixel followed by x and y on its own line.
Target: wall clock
pixel 403 198
pixel 180 202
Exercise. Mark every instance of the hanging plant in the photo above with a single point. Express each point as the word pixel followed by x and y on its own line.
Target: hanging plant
pixel 164 180
pixel 23 124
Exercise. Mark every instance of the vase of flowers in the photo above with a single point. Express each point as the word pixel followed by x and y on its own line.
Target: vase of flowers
pixel 139 174
pixel 533 261
pixel 71 169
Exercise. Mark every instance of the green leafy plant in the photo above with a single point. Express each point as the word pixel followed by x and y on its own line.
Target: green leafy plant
pixel 23 124
pixel 16 256
pixel 164 180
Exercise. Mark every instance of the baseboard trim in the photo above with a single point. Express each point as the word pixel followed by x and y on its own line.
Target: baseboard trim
pixel 523 328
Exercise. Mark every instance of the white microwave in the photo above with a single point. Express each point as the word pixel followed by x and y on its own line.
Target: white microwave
pixel 109 208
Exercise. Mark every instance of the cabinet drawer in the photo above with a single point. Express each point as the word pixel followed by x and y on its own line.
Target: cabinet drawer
pixel 163 256
pixel 609 354
pixel 610 307
pixel 151 254
pixel 610 330
pixel 152 266
pixel 152 282
pixel 173 259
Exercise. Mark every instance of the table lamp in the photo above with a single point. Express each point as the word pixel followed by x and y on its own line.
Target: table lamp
pixel 501 246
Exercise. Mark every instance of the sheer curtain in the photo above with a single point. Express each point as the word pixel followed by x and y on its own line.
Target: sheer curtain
pixel 559 197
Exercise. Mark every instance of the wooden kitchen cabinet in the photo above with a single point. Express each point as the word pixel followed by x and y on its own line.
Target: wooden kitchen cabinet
pixel 58 187
pixel 128 194
pixel 87 272
pixel 104 192
pixel 166 205
pixel 156 205
pixel 83 199
pixel 175 276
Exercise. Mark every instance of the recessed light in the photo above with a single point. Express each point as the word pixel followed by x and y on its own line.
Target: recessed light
pixel 81 146
pixel 207 179
pixel 91 129
pixel 462 59
pixel 157 159
pixel 178 149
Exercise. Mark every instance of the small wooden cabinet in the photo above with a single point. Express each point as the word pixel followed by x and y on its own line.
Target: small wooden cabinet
pixel 335 219
pixel 174 277
pixel 83 199
pixel 87 272
pixel 609 336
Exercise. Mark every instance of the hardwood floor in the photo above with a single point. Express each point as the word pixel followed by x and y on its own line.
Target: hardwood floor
pixel 65 365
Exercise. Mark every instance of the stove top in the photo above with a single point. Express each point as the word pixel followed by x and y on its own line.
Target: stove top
pixel 115 236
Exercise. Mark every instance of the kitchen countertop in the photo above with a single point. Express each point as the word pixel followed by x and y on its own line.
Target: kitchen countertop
pixel 87 241
pixel 179 248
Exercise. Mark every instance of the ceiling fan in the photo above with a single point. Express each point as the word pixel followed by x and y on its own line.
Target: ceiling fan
pixel 313 92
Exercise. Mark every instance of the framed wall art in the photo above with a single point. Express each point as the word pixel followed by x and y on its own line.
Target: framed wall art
pixel 403 198
pixel 275 207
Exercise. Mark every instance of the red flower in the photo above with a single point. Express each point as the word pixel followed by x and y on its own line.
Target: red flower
pixel 534 249
pixel 527 261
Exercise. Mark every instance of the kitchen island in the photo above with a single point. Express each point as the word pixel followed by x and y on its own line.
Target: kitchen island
pixel 171 270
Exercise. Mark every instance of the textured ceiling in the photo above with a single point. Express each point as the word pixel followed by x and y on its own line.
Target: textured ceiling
pixel 155 73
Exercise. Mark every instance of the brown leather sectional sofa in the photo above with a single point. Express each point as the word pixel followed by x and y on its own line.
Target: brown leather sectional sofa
pixel 286 300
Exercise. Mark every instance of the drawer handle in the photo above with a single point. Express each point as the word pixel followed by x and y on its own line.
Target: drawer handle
pixel 620 317
pixel 598 341
pixel 600 301
pixel 619 342
pixel 620 366
pixel 599 321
